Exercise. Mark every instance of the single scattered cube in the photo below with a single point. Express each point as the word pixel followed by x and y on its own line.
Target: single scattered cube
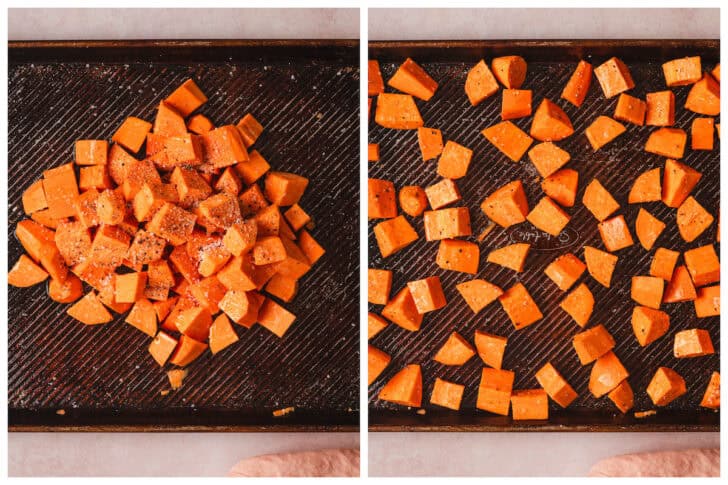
pixel 598 200
pixel 379 286
pixel 548 158
pixel 666 386
pixel 703 265
pixel 602 131
pixel 130 287
pixel 565 270
pixel 663 263
pixel 454 161
pixel 382 199
pixel 548 217
pixel 447 223
pixel 509 139
pixel 649 324
pixel 491 348
pixel 530 404
pixel 555 385
pixel 507 205
pixel 615 233
pixel 660 108
pixel 186 98
pixel 592 344
pixel 394 235
pixel 520 307
pixel 250 129
pixel 683 71
pixel 694 342
pixel 401 310
pixel 458 255
pixel 630 109
pixel 447 394
pixel 614 77
pixel 707 302
pixel 92 152
pixel 443 193
pixel 494 391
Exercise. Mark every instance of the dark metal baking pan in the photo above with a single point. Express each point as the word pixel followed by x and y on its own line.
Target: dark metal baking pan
pixel 550 64
pixel 306 95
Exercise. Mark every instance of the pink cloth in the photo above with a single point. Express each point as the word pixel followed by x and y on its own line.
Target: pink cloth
pixel 322 463
pixel 685 463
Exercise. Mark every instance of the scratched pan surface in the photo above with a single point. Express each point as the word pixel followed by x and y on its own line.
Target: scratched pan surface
pixel 306 96
pixel 550 65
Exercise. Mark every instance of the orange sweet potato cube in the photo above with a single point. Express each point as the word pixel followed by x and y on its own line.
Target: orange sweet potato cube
pixel 491 348
pixel 615 233
pixel 660 108
pixel 457 255
pixel 61 191
pixel 375 83
pixel 186 98
pixel 548 216
pixel 240 237
pixel 692 219
pixel 250 129
pixel 550 123
pixel 512 256
pixel 577 88
pixel 382 199
pixel 520 307
pixel 162 347
pixel 510 70
pixel 648 228
pixel 479 293
pixel 447 223
pixel 405 387
pixel 598 200
pixel 447 394
pixel 443 193
pixel 244 309
pixel 129 287
pixel 516 103
pixel 548 158
pixel 707 302
pixel 310 247
pixel 530 404
pixel 34 199
pixel 622 396
pixel 663 263
pixel 683 71
pixel 394 235
pixel 703 265
pixel 220 210
pixel 711 398
pixel 188 349
pixel 172 223
pixel 397 111
pixel 561 186
pixel 296 217
pixel 677 182
pixel 455 351
pixel 666 386
pixel 454 161
pixel 97 177
pixel 410 78
pixel 92 152
pixel 701 133
pixel 509 139
pixel 377 362
pixel 694 342
pixel 223 147
pixel 199 124
pixel 649 324
pixel 602 131
pixel 379 286
pixel 592 344
pixel 109 246
pixel 555 385
pixel 480 83
pixel 195 323
pixel 143 317
pixel 646 188
pixel 630 109
pixel 614 77
pixel 579 304
pixel 606 374
pixel 253 169
pixel 667 142
pixel 401 310
pixel 137 174
pixel 494 390
pixel 430 142
pixel 229 182
pixel 565 270
pixel 284 189
pixel 145 248
pixel 507 205
pixel 647 290
pixel 282 287
pixel 73 241
pixel 375 324
pixel 132 133
pixel 704 97
pixel 222 334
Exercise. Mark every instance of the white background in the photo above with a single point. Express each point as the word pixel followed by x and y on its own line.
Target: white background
pixel 179 454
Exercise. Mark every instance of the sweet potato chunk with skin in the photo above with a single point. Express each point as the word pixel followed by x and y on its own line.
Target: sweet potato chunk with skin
pixel 565 270
pixel 401 310
pixel 622 396
pixel 375 324
pixel 606 374
pixel 647 187
pixel 615 233
pixel 379 286
pixel 579 304
pixel 455 351
pixel 405 388
pixel 412 200
pixel 701 134
pixel 677 183
pixel 507 205
pixel 447 394
pixel 512 256
pixel 186 98
pixel 663 263
pixel 510 70
pixel 561 186
pixel 447 223
pixel 548 158
pixel 377 362
pixel 692 219
pixel 491 348
pixel 600 265
pixel 693 343
pixel 427 294
pixel 520 307
pixel 630 109
pixel 555 385
pixel 599 201
pixel 162 347
pixel 454 161
pixel 430 142
pixel 26 273
pixel 530 404
pixel 648 228
pixel 550 123
pixel 711 398
pixel 548 217
pixel 479 293
pixel 592 344
pixel 577 88
pixel 707 302
pixel 480 83
pixel 667 142
pixel 703 265
pixel 494 391
pixel 457 255
pixel 509 139
pixel 397 111
pixel 394 235
pixel 89 310
pixel 647 290
pixel 666 386
pixel 660 108
pixel 602 131
pixel 614 77
pixel 375 83
pixel 683 71
pixel 410 78
pixel 649 324
pixel 704 97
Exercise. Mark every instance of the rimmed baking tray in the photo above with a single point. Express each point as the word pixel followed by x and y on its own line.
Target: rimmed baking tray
pixel 550 64
pixel 66 376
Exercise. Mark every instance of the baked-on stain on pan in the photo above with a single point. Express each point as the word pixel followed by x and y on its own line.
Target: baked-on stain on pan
pixel 550 64
pixel 305 93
